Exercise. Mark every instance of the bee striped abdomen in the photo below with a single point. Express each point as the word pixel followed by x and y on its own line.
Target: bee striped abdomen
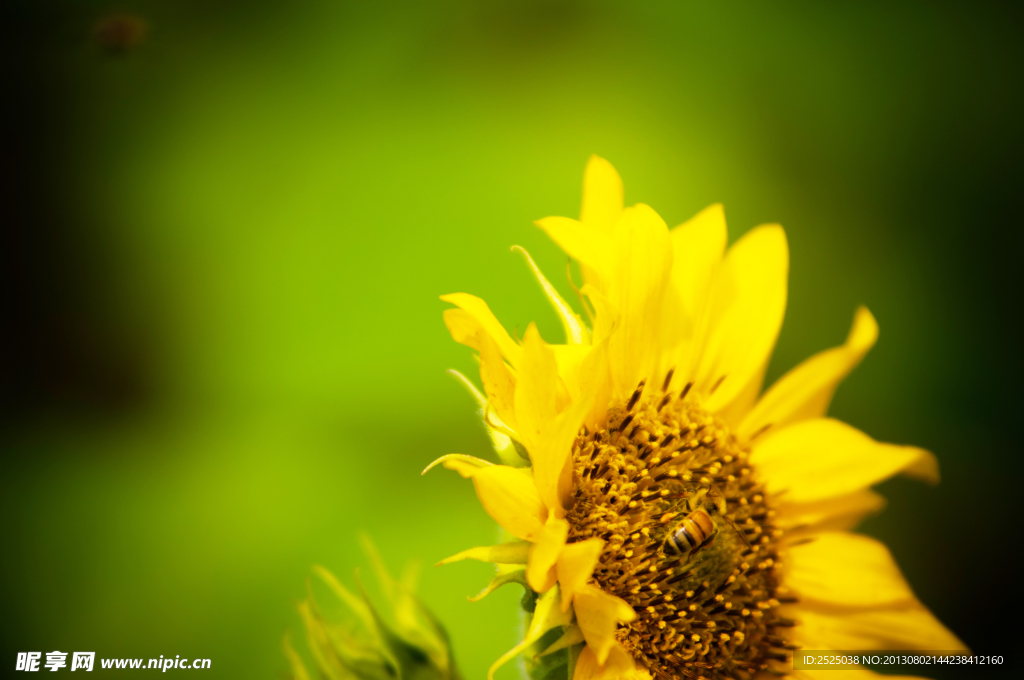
pixel 695 528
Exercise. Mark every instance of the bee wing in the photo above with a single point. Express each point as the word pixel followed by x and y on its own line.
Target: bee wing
pixel 739 533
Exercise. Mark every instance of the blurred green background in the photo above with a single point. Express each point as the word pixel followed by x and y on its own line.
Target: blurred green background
pixel 225 355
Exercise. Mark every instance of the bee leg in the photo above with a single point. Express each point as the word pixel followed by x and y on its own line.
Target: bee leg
pixel 706 544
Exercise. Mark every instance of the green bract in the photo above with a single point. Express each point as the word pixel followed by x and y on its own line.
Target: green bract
pixel 402 640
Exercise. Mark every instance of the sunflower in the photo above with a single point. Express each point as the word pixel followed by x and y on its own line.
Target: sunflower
pixel 669 519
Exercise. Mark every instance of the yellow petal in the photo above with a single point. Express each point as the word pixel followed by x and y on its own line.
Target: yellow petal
pixel 925 468
pixel 746 306
pixel 476 315
pixel 602 195
pixel 592 250
pixel 847 569
pixel 536 396
pixel 636 289
pixel 510 497
pixel 498 381
pixel 584 372
pixel 734 411
pixel 598 614
pixel 552 459
pixel 806 391
pixel 540 571
pixel 596 382
pixel 505 553
pixel 823 458
pixel 492 422
pixel 458 462
pixel 841 512
pixel 606 317
pixel 697 246
pixel 910 627
pixel 575 566
pixel 618 665
pixel 570 359
pixel 575 332
pixel 587 667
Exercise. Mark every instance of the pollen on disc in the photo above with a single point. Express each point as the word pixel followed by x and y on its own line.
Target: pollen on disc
pixel 653 484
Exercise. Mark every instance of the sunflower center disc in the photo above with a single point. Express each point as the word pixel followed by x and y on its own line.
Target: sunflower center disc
pixel 709 611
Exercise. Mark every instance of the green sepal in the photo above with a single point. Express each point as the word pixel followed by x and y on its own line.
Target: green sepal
pixel 553 666
pixel 505 575
pixel 523 454
pixel 548 617
pixel 529 601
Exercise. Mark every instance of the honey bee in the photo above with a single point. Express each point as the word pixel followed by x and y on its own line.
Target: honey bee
pixel 698 527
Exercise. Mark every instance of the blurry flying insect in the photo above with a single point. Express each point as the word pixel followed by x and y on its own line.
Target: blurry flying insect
pixel 698 527
pixel 120 33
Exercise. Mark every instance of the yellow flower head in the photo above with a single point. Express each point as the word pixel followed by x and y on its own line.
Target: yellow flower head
pixel 672 519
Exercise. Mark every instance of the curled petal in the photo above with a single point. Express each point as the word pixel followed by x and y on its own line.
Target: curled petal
pixel 474 315
pixel 459 462
pixel 824 458
pixel 575 332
